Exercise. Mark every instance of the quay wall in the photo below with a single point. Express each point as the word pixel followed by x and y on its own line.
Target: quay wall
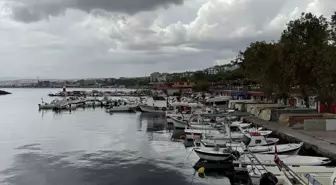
pixel 276 113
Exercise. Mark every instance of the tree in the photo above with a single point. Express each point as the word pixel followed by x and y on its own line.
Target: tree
pixel 303 43
pixel 199 76
pixel 262 62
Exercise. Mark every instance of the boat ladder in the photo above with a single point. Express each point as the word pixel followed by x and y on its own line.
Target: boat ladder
pixel 291 175
pixel 312 180
pixel 255 163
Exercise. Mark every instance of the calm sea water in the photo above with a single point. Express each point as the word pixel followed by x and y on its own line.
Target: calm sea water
pixel 87 147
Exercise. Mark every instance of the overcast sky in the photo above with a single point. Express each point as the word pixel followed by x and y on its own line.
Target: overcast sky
pixel 113 38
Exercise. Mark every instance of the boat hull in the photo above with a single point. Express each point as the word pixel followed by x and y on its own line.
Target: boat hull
pixel 212 156
pixel 193 136
pixel 146 108
pixel 120 109
pixel 285 149
pixel 179 123
pixel 290 160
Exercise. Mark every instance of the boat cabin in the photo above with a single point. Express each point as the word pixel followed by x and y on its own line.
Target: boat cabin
pixel 256 139
pixel 184 107
pixel 234 128
pixel 156 101
pixel 219 100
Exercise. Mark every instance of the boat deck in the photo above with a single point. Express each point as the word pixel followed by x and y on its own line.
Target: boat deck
pixel 322 142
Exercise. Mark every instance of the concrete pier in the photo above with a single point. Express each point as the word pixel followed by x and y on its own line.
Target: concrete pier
pixel 321 142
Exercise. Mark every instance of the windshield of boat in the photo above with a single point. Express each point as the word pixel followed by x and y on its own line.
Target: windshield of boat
pixel 235 129
pixel 159 98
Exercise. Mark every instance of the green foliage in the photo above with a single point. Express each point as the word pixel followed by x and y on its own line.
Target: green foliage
pixel 302 61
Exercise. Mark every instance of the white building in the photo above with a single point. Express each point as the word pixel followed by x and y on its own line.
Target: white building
pixel 154 77
pixel 158 77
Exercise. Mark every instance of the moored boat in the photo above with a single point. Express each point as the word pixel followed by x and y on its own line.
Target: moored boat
pixel 216 154
pixel 291 160
pixel 121 108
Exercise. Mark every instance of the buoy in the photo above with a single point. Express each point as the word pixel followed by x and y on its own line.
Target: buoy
pixel 201 173
pixel 201 170
pixel 182 137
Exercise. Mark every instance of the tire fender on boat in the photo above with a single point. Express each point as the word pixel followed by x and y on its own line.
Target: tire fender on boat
pixel 156 108
pixel 268 179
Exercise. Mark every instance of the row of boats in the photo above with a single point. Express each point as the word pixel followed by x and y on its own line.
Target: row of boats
pixel 220 137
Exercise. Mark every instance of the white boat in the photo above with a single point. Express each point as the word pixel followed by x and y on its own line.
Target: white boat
pixel 292 175
pixel 219 100
pixel 121 108
pixel 152 109
pixel 202 127
pixel 214 154
pixel 193 134
pixel 291 160
pixel 176 109
pixel 255 140
pixel 241 124
pixel 321 174
pixel 154 105
pixel 233 132
pixel 179 122
pixel 289 149
pixel 65 103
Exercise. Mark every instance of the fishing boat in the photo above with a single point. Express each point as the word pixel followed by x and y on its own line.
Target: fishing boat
pixel 287 149
pixel 255 139
pixel 285 174
pixel 156 104
pixel 193 134
pixel 183 110
pixel 232 132
pixel 194 121
pixel 121 108
pixel 216 154
pixel 291 160
pixel 219 100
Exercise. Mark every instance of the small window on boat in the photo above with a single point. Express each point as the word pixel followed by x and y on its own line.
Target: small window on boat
pixel 258 141
pixel 234 129
pixel 159 98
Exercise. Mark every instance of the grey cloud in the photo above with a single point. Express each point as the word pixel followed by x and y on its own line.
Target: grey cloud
pixel 34 10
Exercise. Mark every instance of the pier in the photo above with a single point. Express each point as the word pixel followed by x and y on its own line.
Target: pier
pixel 321 142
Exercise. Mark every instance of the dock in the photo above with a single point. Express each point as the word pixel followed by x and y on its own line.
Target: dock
pixel 321 142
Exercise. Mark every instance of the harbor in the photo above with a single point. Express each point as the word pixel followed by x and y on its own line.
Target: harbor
pixel 142 93
pixel 228 138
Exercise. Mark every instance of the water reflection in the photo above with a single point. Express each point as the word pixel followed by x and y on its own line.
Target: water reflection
pixel 87 146
pixel 103 167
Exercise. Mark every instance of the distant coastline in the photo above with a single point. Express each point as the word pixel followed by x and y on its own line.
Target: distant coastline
pixel 79 87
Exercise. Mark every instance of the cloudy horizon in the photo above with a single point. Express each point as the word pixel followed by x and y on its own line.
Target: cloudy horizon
pixel 75 39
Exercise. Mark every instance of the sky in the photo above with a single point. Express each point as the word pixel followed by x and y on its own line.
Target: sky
pixel 62 39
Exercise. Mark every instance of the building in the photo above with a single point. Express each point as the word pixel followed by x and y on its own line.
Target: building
pixel 158 77
pixel 154 77
pixel 211 71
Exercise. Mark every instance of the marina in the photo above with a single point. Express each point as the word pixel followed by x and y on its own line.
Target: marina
pixel 141 93
pixel 214 140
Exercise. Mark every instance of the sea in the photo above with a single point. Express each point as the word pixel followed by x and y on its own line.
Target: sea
pixel 89 146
